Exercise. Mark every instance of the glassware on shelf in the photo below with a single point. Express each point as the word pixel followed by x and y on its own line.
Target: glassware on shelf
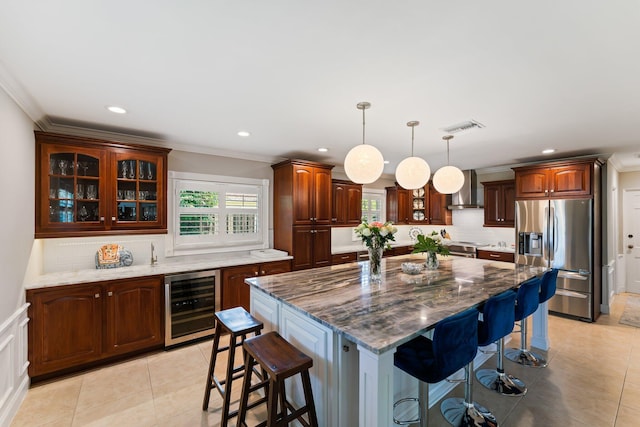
pixel 52 165
pixel 63 165
pixel 84 166
pixel 92 191
pixel 149 171
pixel 83 214
pixel 140 170
pixel 132 169
pixel 79 191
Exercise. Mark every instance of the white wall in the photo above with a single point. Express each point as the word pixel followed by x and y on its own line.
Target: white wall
pixel 17 221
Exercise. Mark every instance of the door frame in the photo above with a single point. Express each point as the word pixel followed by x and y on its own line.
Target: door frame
pixel 627 216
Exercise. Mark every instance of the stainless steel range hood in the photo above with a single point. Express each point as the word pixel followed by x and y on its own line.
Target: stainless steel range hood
pixel 467 197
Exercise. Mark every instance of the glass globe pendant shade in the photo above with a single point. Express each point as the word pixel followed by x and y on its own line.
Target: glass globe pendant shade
pixel 413 173
pixel 364 164
pixel 448 179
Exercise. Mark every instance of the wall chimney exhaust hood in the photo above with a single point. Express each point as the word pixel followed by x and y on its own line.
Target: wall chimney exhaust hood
pixel 467 197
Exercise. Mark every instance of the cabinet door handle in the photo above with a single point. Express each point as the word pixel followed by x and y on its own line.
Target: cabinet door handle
pixel 255 273
pixel 494 256
pixel 101 219
pixel 262 272
pixel 96 296
pixel 110 293
pixel 113 218
pixel 552 190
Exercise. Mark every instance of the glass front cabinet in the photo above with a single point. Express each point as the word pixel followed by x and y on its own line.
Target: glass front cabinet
pixel 87 186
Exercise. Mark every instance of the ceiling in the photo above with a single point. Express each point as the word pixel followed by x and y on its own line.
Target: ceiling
pixel 192 74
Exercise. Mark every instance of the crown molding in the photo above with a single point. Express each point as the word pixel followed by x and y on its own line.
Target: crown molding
pixel 20 96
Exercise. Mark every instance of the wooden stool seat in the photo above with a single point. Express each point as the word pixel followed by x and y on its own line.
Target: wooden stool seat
pixel 237 322
pixel 279 360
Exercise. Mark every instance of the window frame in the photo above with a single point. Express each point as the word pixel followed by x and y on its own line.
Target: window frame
pixel 221 242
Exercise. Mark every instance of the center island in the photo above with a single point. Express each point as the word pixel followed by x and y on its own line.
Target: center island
pixel 351 327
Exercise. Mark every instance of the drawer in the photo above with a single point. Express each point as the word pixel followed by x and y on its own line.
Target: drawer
pixel 496 256
pixel 344 258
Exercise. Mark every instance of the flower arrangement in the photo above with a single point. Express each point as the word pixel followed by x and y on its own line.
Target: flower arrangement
pixel 376 234
pixel 430 243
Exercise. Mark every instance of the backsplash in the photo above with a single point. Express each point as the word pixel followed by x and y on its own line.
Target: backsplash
pixel 78 253
pixel 468 227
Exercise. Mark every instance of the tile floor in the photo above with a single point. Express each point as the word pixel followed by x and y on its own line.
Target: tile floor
pixel 593 379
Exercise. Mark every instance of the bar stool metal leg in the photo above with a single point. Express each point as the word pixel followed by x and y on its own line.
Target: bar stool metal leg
pixel 522 355
pixel 498 380
pixel 465 412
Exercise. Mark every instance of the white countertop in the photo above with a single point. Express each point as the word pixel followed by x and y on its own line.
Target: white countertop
pixel 497 249
pixel 169 267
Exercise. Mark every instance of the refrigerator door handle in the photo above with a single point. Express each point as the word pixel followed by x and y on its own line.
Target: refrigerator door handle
pixel 546 243
pixel 552 232
pixel 572 275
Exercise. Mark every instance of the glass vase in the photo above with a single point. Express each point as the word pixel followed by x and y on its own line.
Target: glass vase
pixel 375 259
pixel 431 263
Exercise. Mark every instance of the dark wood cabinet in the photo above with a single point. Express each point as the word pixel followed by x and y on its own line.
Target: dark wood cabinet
pixel 344 258
pixel 346 203
pixel 302 212
pixel 73 326
pixel 422 206
pixel 235 292
pixel 556 180
pixel 87 186
pixel 499 203
pixel 496 255
pixel 134 315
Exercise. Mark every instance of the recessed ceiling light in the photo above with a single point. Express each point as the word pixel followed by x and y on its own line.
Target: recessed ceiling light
pixel 548 151
pixel 323 149
pixel 116 109
pixel 244 133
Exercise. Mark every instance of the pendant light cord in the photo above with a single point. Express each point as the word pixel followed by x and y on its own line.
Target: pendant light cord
pixel 447 138
pixel 363 125
pixel 412 129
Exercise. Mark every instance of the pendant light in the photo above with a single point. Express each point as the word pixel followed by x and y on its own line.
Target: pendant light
pixel 448 179
pixel 413 172
pixel 363 163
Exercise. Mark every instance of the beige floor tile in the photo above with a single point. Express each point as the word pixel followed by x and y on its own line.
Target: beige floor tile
pixel 141 403
pixel 631 396
pixel 114 383
pixel 628 416
pixel 142 415
pixel 50 404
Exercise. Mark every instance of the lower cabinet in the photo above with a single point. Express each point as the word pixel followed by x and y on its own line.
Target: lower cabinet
pixel 344 258
pixel 496 255
pixel 72 326
pixel 235 292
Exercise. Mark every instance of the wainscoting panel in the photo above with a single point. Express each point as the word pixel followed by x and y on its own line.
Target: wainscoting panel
pixel 14 381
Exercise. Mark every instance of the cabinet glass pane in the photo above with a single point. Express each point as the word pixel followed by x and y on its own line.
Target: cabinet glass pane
pixel 149 212
pixel 127 211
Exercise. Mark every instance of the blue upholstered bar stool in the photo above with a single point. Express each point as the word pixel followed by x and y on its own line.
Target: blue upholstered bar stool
pixel 548 285
pixel 527 301
pixel 454 346
pixel 498 317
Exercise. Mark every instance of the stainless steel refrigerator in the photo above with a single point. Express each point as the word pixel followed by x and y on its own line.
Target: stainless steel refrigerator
pixel 563 234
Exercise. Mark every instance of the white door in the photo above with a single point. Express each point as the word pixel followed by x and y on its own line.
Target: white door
pixel 631 239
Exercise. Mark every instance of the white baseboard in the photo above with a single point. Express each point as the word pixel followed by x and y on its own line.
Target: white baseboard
pixel 14 381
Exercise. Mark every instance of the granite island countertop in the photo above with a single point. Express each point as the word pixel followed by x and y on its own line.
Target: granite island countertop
pixel 383 316
pixel 167 267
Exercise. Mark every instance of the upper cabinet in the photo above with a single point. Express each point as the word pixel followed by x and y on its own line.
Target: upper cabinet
pixel 347 203
pixel 86 186
pixel 302 212
pixel 556 180
pixel 422 206
pixel 499 203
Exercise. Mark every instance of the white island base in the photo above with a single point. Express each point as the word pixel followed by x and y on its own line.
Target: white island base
pixel 352 385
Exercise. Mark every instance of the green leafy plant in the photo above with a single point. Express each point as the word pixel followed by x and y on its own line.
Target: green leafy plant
pixel 430 243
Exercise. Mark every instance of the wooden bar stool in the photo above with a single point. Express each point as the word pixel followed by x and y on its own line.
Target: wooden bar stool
pixel 279 360
pixel 237 322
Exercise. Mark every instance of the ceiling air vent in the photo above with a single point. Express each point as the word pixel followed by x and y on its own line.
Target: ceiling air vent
pixel 464 126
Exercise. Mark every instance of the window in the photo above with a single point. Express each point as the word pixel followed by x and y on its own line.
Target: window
pixel 216 213
pixel 372 205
